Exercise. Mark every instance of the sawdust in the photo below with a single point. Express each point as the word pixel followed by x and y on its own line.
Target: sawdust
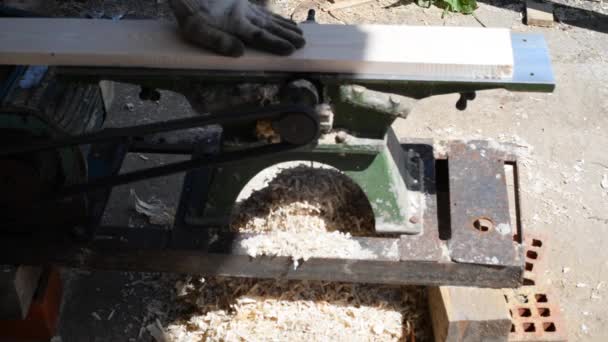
pixel 306 199
pixel 269 310
pixel 302 212
pixel 306 212
pixel 303 246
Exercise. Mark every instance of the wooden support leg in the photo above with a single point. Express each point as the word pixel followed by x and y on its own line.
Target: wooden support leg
pixel 17 287
pixel 463 314
pixel 539 13
pixel 40 322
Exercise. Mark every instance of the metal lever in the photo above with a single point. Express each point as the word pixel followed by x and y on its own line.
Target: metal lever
pixel 310 18
pixel 461 104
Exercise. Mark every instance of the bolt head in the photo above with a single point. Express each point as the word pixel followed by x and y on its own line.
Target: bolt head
pixel 341 137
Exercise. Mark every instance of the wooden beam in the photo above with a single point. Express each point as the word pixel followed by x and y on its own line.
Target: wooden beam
pixel 468 314
pixel 435 53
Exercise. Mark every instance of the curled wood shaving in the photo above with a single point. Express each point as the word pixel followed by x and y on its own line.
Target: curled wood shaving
pixel 155 210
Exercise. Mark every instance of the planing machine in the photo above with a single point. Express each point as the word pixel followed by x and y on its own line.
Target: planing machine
pixel 441 217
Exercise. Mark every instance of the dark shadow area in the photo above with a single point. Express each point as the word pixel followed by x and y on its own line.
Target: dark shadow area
pixel 442 179
pixel 113 306
pixel 582 18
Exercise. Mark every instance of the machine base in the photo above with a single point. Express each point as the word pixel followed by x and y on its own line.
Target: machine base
pixel 467 238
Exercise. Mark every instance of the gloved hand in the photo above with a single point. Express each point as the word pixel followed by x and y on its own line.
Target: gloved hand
pixel 226 26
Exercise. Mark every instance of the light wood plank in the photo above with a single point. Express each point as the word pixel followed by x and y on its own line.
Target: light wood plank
pixel 400 51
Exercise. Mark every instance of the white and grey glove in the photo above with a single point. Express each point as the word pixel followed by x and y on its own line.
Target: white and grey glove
pixel 227 26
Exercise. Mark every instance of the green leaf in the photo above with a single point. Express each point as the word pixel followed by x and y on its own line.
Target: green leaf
pixel 462 6
pixel 458 6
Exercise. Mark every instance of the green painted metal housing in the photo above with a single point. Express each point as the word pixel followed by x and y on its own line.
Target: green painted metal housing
pixel 378 167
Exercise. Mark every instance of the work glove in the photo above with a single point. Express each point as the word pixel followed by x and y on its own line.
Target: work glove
pixel 226 26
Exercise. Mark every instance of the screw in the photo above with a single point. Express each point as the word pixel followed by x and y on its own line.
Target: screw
pixel 414 219
pixel 394 101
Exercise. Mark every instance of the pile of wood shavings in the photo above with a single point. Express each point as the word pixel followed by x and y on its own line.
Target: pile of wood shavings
pixel 306 212
pixel 302 212
pixel 306 245
pixel 304 198
pixel 225 309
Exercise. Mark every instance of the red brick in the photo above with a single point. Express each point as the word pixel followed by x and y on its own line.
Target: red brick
pixel 535 315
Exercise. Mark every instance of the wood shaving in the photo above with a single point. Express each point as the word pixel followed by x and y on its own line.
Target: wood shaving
pixel 155 210
pixel 269 310
pixel 306 212
pixel 304 199
pixel 305 245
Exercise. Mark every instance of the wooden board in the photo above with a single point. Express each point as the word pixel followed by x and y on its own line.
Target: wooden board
pixel 468 314
pixel 444 53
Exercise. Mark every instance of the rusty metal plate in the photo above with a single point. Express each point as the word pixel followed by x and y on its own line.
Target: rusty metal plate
pixel 481 229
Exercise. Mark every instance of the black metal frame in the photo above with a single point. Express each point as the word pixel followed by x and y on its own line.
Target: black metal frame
pixel 426 259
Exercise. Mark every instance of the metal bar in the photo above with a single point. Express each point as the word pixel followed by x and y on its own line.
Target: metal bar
pixel 144 147
pixel 481 229
pixel 198 262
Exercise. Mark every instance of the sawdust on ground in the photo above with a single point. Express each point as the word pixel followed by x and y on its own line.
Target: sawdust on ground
pixel 225 309
pixel 302 212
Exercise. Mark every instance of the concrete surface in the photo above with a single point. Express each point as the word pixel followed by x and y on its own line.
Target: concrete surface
pixel 562 136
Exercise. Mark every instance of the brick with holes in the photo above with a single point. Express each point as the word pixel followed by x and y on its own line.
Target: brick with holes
pixel 534 266
pixel 535 315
